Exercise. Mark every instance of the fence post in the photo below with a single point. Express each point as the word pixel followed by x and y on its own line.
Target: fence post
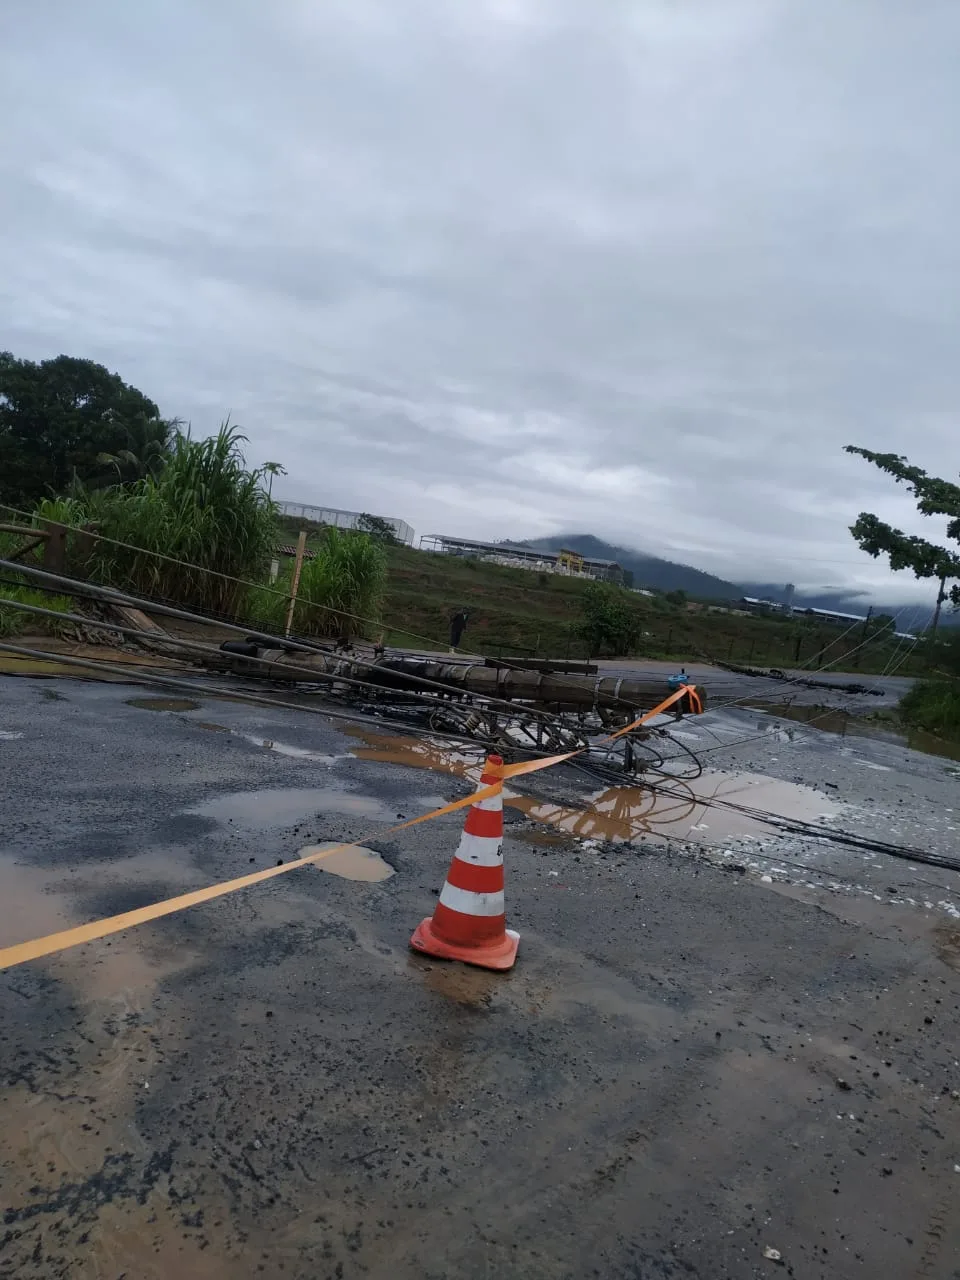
pixel 295 583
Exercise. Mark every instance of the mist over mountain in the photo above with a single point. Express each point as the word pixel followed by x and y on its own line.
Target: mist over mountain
pixel 657 574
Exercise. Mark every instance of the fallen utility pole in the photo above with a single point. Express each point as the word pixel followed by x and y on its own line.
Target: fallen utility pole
pixel 400 673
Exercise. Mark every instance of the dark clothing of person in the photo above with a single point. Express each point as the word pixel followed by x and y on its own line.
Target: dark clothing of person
pixel 458 626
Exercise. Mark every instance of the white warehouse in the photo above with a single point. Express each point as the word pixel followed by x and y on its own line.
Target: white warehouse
pixel 343 519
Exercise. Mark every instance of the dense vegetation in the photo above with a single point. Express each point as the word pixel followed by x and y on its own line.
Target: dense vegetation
pixel 157 512
pixel 67 423
pixel 163 514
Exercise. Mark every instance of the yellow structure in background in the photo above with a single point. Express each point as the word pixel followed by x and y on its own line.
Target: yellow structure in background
pixel 572 561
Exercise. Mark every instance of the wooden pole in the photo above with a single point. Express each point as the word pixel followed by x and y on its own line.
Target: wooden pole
pixel 295 584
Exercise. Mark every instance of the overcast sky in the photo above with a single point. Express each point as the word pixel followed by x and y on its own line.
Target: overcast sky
pixel 505 268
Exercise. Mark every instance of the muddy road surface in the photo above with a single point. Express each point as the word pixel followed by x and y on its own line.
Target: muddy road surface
pixel 692 1072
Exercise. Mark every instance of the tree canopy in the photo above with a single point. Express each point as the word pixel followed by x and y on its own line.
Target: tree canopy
pixel 67 419
pixel 935 497
pixel 609 620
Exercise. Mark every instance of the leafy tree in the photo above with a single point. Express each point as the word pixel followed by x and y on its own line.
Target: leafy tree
pixel 379 529
pixel 61 418
pixel 906 551
pixel 678 598
pixel 609 620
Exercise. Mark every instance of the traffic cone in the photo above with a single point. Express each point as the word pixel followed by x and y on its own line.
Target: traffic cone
pixel 469 923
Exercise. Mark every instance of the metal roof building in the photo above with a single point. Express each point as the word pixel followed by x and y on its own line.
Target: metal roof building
pixel 521 557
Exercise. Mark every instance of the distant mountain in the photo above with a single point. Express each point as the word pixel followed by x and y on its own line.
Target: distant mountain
pixel 658 574
pixel 648 571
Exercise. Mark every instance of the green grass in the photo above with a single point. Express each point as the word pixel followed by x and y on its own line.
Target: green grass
pixel 13 622
pixel 933 705
pixel 517 612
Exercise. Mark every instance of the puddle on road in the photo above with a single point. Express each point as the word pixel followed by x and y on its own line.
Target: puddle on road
pixel 833 721
pixel 270 744
pixel 281 806
pixel 286 749
pixel 460 983
pixel 163 704
pixel 28 908
pixel 359 863
pixel 622 814
pixel 543 839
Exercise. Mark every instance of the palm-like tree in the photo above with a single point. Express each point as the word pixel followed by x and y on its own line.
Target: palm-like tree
pixel 146 451
pixel 272 469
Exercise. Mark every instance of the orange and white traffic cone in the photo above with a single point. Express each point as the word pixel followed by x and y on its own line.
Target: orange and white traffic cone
pixel 469 923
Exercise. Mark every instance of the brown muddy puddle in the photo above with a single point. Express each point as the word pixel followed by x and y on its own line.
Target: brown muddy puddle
pixel 845 724
pixel 358 863
pixel 623 814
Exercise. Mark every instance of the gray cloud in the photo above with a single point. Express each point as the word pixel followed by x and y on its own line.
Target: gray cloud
pixel 511 267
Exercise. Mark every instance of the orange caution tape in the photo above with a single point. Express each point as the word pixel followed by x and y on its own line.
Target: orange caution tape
pixel 21 952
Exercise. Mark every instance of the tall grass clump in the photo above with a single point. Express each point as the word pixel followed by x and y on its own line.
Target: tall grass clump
pixel 204 509
pixel 341 586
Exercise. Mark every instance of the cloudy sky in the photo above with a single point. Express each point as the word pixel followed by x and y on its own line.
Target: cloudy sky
pixel 512 267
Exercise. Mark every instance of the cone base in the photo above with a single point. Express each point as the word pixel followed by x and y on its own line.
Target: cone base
pixel 498 954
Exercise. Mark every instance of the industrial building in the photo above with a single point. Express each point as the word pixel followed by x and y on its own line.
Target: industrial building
pixel 343 519
pixel 568 563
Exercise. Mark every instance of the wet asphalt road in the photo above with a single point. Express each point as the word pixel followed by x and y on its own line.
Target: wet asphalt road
pixel 687 1067
pixel 829 688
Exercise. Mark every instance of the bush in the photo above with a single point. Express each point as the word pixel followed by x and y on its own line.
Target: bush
pixel 610 620
pixel 933 705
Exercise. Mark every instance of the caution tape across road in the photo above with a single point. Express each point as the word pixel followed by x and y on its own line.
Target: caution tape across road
pixel 36 949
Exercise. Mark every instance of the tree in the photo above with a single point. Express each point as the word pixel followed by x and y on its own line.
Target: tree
pixel 379 529
pixel 609 621
pixel 272 469
pixel 678 598
pixel 147 451
pixel 60 417
pixel 906 551
pixel 882 624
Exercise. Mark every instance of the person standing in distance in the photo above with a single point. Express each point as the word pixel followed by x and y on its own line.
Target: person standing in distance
pixel 458 625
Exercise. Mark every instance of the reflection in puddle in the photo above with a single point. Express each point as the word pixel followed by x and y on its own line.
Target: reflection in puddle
pixel 627 813
pixel 352 864
pixel 28 907
pixel 285 749
pixel 418 753
pixel 834 721
pixel 163 704
pixel 260 810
